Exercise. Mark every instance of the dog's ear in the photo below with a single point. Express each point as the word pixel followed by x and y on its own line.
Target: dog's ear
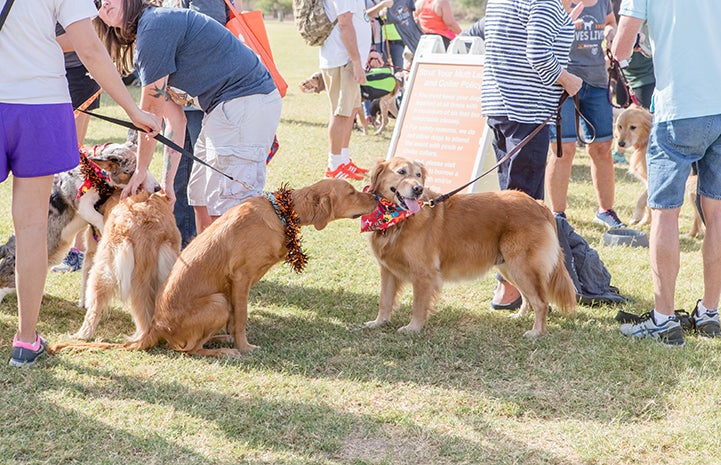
pixel 424 172
pixel 375 174
pixel 323 212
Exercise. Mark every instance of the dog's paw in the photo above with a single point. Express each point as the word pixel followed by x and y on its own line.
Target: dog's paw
pixel 375 323
pixel 409 329
pixel 247 348
pixel 532 334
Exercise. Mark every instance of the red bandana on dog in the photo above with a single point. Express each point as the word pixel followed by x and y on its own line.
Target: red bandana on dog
pixel 386 214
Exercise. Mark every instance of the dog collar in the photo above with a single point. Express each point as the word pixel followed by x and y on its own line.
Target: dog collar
pixel 385 215
pixel 282 202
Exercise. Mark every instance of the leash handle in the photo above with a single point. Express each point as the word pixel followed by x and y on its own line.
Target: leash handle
pixel 616 71
pixel 516 149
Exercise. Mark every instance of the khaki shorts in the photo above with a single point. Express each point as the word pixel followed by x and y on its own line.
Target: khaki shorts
pixel 343 91
pixel 235 139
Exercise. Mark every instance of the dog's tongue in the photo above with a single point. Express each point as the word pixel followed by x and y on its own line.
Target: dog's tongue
pixel 413 205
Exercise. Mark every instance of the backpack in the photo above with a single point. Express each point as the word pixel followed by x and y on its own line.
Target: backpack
pixel 312 21
pixel 590 276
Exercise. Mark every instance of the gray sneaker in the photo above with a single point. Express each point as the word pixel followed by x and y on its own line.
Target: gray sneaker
pixel 669 333
pixel 609 219
pixel 707 325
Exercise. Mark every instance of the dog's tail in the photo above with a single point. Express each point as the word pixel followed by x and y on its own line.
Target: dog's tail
pixel 560 287
pixel 144 342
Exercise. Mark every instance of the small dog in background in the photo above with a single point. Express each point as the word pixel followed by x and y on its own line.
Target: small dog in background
pixel 139 246
pixel 315 85
pixel 632 130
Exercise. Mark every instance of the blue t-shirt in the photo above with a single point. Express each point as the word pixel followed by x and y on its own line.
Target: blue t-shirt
pixel 199 56
pixel 686 49
pixel 588 58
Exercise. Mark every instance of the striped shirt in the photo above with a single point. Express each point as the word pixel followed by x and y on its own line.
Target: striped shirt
pixel 527 47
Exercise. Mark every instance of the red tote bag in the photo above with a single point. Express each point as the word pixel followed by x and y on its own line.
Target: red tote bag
pixel 249 27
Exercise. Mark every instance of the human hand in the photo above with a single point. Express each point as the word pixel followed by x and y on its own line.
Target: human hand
pixel 359 74
pixel 137 180
pixel 375 59
pixel 570 83
pixel 147 122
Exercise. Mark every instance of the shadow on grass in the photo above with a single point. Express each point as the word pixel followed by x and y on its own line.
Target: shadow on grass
pixel 305 332
pixel 254 422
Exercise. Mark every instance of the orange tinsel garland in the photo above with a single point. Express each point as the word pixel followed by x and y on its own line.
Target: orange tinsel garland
pixel 282 201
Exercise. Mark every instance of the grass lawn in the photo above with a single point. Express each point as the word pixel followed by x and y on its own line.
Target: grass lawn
pixel 322 390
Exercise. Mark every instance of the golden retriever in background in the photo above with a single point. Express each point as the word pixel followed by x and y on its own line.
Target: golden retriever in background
pixel 208 287
pixel 461 238
pixel 632 130
pixel 138 247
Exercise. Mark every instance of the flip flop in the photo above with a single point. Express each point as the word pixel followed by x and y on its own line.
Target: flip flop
pixel 515 305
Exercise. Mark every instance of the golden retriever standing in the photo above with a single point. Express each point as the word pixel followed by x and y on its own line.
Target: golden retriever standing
pixel 464 237
pixel 632 130
pixel 208 286
pixel 138 247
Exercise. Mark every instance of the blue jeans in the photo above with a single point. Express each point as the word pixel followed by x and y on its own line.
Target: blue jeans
pixel 184 214
pixel 673 146
pixel 594 106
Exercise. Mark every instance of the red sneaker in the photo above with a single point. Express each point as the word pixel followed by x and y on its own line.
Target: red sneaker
pixel 344 171
pixel 355 168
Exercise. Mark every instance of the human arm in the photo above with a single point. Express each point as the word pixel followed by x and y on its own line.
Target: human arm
pixel 92 53
pixel 378 7
pixel 628 28
pixel 609 30
pixel 175 131
pixel 348 37
pixel 154 99
pixel 443 9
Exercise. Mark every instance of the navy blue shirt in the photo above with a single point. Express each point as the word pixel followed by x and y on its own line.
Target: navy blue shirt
pixel 199 56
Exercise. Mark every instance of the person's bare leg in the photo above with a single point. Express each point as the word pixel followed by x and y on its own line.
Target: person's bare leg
pixel 602 173
pixel 339 132
pixel 558 176
pixel 711 252
pixel 202 218
pixel 665 257
pixel 505 293
pixel 30 218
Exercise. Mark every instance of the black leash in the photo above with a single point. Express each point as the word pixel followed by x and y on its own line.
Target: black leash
pixel 5 12
pixel 163 140
pixel 516 149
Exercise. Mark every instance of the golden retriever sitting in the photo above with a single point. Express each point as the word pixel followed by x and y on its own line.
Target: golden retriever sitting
pixel 632 130
pixel 138 247
pixel 208 287
pixel 464 237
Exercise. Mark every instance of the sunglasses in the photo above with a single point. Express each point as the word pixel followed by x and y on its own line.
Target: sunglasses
pixel 98 3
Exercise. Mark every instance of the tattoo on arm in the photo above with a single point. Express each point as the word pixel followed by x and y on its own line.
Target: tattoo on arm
pixel 159 92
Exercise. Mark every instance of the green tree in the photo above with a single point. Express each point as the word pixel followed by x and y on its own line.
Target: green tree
pixel 277 9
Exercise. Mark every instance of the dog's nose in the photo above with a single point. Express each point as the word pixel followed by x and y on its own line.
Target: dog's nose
pixel 417 191
pixel 621 143
pixel 157 188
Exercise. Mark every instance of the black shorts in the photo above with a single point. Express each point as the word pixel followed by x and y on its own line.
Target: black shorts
pixel 81 86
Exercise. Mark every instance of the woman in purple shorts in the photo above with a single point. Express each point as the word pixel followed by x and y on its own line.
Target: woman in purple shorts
pixel 37 134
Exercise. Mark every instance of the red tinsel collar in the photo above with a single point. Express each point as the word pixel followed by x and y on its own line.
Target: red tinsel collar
pixel 282 201
pixel 94 175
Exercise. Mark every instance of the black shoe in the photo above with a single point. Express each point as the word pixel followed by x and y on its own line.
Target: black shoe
pixel 515 305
